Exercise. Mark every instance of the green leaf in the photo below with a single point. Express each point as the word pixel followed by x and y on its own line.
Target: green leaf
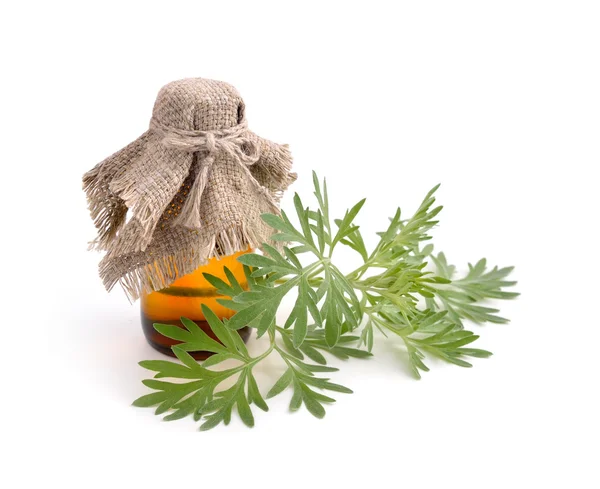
pixel 299 314
pixel 235 285
pixel 218 328
pixel 211 422
pixel 254 260
pixel 282 383
pixel 172 369
pixel 291 256
pixel 332 323
pixel 290 348
pixel 352 352
pixel 474 352
pixel 244 409
pixel 174 332
pixel 268 304
pixel 355 241
pixel 319 368
pixel 150 399
pixel 194 339
pixel 222 287
pixel 216 359
pixel 185 357
pixel 303 218
pixel 366 337
pixel 313 406
pixel 254 393
pixel 287 230
pixel 313 354
pixel 297 397
pixel 345 224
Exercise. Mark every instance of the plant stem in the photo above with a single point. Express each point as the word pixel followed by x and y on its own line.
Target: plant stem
pixel 312 270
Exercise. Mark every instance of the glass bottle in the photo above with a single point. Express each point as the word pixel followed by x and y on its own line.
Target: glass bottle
pixel 183 298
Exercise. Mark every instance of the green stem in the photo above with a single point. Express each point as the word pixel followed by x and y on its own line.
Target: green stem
pixel 316 272
pixel 360 271
pixel 312 270
pixel 268 351
pixel 284 356
pixel 252 362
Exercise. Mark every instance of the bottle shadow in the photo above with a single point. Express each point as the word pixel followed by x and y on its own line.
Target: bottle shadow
pixel 106 344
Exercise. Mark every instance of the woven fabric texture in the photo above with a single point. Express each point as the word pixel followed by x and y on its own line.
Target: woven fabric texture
pixel 192 187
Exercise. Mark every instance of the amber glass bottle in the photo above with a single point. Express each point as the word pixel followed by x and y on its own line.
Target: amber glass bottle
pixel 184 297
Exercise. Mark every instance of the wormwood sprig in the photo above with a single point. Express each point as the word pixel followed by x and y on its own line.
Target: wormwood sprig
pixel 401 289
pixel 198 397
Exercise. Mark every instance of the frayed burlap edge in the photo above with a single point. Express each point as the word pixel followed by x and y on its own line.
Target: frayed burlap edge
pixel 163 271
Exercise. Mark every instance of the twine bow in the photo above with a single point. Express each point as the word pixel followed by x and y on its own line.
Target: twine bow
pixel 210 144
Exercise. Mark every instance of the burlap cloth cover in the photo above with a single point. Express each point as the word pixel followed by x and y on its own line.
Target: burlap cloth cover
pixel 190 188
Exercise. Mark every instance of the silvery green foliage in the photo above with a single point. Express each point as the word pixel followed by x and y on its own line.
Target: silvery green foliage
pixel 401 289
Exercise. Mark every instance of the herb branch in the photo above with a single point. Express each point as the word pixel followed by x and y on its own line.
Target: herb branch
pixel 392 291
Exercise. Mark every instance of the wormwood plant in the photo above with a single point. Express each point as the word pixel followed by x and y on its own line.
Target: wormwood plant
pixel 402 289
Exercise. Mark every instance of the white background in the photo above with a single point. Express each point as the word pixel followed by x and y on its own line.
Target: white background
pixel 498 101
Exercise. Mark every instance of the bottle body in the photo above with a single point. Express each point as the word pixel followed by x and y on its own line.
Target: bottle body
pixel 184 298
